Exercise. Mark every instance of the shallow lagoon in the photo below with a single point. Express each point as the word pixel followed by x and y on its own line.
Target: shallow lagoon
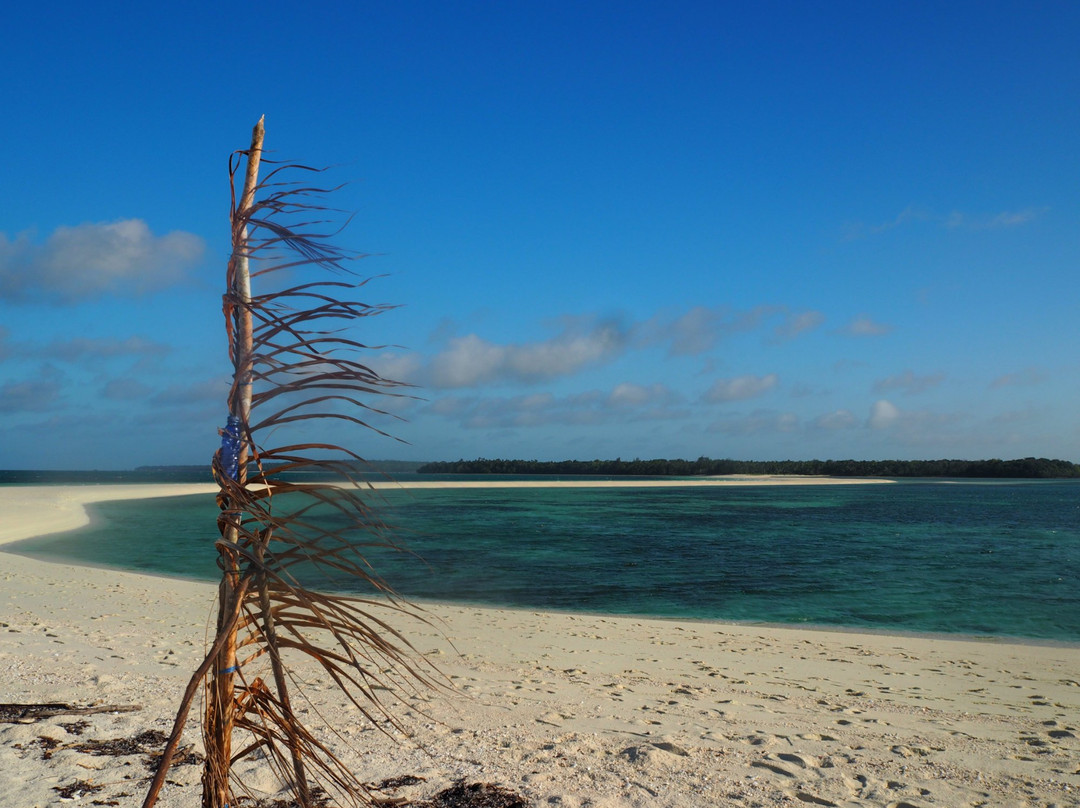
pixel 999 558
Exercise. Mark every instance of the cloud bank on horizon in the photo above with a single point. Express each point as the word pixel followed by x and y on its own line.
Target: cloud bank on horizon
pixel 657 233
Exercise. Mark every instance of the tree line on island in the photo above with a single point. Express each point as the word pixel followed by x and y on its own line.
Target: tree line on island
pixel 1025 468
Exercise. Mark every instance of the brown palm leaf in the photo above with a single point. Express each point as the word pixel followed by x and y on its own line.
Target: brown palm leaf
pixel 294 363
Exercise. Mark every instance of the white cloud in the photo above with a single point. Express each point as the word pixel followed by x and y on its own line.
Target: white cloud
pixel 624 403
pixel 566 353
pixel 908 382
pixel 207 391
pixel 863 326
pixel 700 328
pixel 919 428
pixel 956 219
pixel 695 332
pixel 583 342
pixel 33 395
pixel 80 348
pixel 836 420
pixel 471 360
pixel 739 388
pixel 883 415
pixel 796 323
pixel 125 389
pixel 398 367
pixel 451 406
pixel 527 411
pixel 1021 378
pixel 654 402
pixel 758 422
pixel 1008 218
pixel 468 361
pixel 636 395
pixel 1030 415
pixel 857 230
pixel 89 260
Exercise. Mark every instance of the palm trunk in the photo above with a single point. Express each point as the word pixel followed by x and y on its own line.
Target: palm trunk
pixel 220 703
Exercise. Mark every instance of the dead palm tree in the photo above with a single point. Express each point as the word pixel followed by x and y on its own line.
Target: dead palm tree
pixel 293 364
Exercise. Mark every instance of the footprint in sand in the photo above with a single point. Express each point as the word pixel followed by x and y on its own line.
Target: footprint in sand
pixel 552 719
pixel 910 751
pixel 804 796
pixel 801 762
pixel 772 767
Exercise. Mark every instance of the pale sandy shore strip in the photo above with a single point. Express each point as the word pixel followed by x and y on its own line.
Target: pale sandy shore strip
pixel 568 709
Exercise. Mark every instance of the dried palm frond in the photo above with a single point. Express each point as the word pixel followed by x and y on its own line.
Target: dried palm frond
pixel 293 364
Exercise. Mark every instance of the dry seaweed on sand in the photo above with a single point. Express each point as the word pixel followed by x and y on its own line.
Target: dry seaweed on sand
pixel 11 713
pixel 46 744
pixel 77 790
pixel 318 799
pixel 148 742
pixel 394 783
pixel 143 743
pixel 459 795
pixel 474 795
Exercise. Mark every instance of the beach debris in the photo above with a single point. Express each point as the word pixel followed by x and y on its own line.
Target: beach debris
pixel 145 742
pixel 474 795
pixel 77 790
pixel 185 756
pixel 320 800
pixel 459 795
pixel 149 743
pixel 28 713
pixel 394 783
pixel 47 746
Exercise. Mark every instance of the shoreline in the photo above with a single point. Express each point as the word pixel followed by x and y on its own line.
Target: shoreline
pixel 568 709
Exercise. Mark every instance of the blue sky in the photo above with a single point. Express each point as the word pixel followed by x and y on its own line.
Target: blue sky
pixel 749 230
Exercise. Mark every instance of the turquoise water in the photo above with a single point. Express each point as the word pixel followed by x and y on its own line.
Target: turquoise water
pixel 984 559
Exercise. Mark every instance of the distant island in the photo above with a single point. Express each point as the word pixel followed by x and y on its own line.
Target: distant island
pixel 1026 468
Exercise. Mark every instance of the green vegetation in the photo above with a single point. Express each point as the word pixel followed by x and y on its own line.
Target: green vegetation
pixel 1026 468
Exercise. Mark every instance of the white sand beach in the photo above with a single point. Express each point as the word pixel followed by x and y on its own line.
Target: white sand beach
pixel 569 710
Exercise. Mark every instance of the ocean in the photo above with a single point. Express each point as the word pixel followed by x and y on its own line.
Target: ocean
pixel 995 558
